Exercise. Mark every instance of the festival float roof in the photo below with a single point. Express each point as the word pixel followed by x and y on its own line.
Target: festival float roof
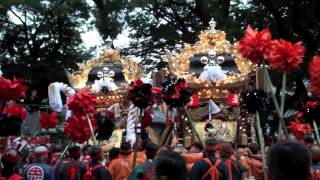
pixel 187 64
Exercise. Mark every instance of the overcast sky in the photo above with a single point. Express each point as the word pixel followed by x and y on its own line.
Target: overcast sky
pixel 92 38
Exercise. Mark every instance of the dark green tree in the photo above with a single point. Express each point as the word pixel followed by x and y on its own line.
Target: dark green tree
pixel 158 24
pixel 40 38
pixel 108 15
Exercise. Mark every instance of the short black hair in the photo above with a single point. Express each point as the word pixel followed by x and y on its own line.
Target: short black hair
pixel 254 148
pixel 113 153
pixel 125 148
pixel 171 165
pixel 198 145
pixel 210 148
pixel 74 148
pixel 308 139
pixel 289 160
pixel 95 151
pixel 151 150
pixel 86 148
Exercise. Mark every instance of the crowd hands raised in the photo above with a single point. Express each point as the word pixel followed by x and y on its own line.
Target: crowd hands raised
pixel 288 159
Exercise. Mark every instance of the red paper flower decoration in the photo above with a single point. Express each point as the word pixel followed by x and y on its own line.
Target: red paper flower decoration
pixel 285 56
pixel 314 68
pixel 12 89
pixel 315 88
pixel 312 104
pixel 47 120
pixel 15 111
pixel 140 94
pixel 254 46
pixel 82 102
pixel 314 72
pixel 176 93
pixel 299 130
pixel 77 129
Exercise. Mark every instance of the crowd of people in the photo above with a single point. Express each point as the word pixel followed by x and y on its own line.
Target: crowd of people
pixel 288 159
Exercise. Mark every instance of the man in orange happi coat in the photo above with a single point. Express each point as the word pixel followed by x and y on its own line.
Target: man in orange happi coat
pixel 251 160
pixel 121 168
pixel 195 153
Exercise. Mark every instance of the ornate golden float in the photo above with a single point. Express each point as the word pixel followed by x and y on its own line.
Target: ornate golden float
pixel 192 58
pixel 211 40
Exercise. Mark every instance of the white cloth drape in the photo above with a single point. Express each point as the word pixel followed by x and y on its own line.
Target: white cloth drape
pixel 213 73
pixel 54 94
pixel 104 82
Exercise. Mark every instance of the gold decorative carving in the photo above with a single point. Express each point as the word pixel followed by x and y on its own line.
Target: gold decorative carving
pixel 222 130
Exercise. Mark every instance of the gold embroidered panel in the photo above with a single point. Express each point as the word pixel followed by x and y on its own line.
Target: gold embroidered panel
pixel 222 130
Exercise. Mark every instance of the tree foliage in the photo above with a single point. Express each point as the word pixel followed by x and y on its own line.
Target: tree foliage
pixel 40 38
pixel 158 24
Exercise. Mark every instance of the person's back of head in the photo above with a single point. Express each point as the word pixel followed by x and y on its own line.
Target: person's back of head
pixel 211 146
pixel 151 150
pixel 226 150
pixel 125 148
pixel 254 148
pixel 289 160
pixel 114 153
pixel 315 152
pixel 164 148
pixel 41 154
pixel 86 149
pixel 9 161
pixel 196 147
pixel 308 141
pixel 170 165
pixel 96 154
pixel 75 152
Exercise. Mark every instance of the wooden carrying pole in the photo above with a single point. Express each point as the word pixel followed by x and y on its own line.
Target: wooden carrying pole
pixel 259 130
pixel 136 144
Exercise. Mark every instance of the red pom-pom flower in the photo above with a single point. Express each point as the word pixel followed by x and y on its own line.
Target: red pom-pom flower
pixel 176 93
pixel 15 110
pixel 82 102
pixel 299 130
pixel 285 56
pixel 314 72
pixel 311 111
pixel 254 46
pixel 77 128
pixel 47 120
pixel 11 90
pixel 140 94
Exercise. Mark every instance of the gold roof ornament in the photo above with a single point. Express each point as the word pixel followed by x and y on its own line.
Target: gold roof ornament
pixel 106 54
pixel 132 70
pixel 210 40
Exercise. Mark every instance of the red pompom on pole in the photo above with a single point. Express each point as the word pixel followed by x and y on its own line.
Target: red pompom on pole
pixel 255 45
pixel 47 120
pixel 314 73
pixel 285 56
